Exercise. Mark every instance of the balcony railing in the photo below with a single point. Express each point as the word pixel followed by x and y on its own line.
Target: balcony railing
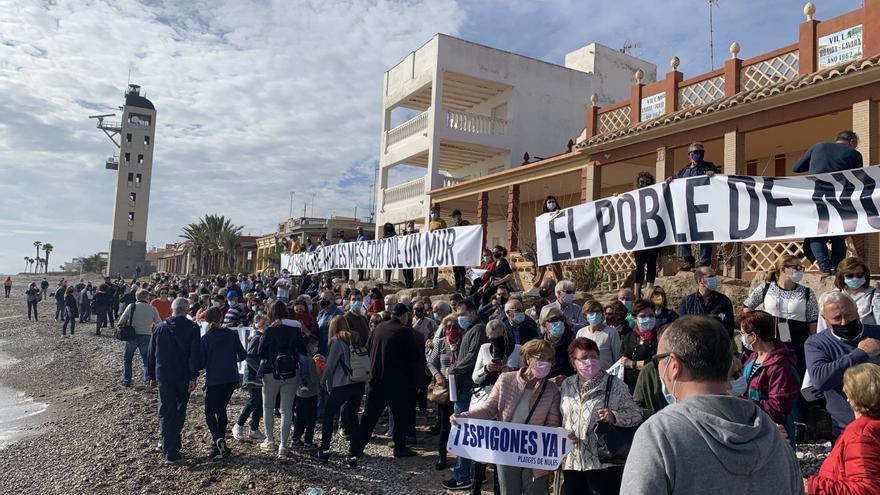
pixel 411 127
pixel 402 192
pixel 451 181
pixel 476 124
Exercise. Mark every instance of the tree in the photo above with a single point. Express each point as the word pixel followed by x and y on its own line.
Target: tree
pixel 39 265
pixel 47 248
pixel 27 263
pixel 94 263
pixel 38 244
pixel 30 261
pixel 213 234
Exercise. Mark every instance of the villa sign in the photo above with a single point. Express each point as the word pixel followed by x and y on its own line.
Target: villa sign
pixel 840 47
pixel 653 106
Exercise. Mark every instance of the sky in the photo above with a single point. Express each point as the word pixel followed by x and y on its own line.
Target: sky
pixel 258 99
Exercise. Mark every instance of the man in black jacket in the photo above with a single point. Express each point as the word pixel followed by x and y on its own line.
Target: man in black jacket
pixel 394 357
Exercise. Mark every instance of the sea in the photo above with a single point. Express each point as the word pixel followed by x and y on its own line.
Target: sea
pixel 16 409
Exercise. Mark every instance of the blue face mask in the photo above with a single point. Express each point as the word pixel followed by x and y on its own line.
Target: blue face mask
pixel 436 316
pixel 557 328
pixel 464 322
pixel 697 156
pixel 356 306
pixel 746 345
pixel 434 216
pixel 595 318
pixel 519 317
pixel 854 283
pixel 712 283
pixel 569 298
pixel 670 399
pixel 487 259
pixel 647 322
pixel 739 386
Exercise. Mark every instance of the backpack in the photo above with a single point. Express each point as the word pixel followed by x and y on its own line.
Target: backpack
pixel 360 370
pixel 285 366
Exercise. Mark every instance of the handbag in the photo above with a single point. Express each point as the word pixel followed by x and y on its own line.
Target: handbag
pixel 439 394
pixel 613 442
pixel 126 333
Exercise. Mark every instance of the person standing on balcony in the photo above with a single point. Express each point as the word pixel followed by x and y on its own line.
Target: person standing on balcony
pixel 361 237
pixel 696 167
pixel 646 259
pixel 388 231
pixel 551 205
pixel 459 272
pixel 823 158
pixel 436 223
pixel 408 272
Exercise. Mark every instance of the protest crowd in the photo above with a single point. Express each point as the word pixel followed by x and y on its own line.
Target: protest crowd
pixel 652 398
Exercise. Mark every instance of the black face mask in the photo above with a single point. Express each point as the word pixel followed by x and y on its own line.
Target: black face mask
pixel 543 293
pixel 325 304
pixel 848 331
pixel 419 312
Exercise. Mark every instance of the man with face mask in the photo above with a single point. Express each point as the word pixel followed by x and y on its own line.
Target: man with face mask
pixel 495 307
pixel 328 309
pixel 235 315
pixel 708 301
pixel 830 353
pixel 460 272
pixel 357 322
pixel 706 438
pixel 282 286
pixel 696 167
pixel 564 302
pixel 520 328
pixel 436 223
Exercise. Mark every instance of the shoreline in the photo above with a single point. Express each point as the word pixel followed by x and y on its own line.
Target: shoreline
pixel 20 414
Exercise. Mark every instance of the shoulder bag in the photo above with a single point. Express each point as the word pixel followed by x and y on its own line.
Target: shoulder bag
pixel 126 333
pixel 613 442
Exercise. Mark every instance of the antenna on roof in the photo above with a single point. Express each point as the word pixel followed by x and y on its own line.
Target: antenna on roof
pixel 712 5
pixel 628 46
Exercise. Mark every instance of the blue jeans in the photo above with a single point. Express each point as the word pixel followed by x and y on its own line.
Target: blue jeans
pixel 253 409
pixel 173 398
pixel 819 246
pixel 705 254
pixel 462 471
pixel 71 319
pixel 141 343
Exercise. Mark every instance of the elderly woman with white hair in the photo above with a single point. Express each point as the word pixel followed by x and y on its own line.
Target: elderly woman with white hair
pixel 830 353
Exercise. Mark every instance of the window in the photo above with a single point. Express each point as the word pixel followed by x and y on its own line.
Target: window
pixel 129 236
pixel 127 159
pixel 130 179
pixel 128 138
pixel 132 197
pixel 130 218
pixel 137 180
pixel 146 140
pixel 140 159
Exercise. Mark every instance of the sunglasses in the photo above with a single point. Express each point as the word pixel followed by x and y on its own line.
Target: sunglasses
pixel 554 319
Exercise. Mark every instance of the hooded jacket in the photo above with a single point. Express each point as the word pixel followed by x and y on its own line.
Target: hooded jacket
pixel 774 385
pixel 852 466
pixel 715 444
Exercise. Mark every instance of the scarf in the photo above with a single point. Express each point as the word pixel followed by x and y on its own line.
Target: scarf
pixel 591 383
pixel 648 335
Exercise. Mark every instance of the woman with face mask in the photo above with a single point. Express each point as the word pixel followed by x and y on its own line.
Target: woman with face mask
pixel 408 272
pixel 606 338
pixel 552 206
pixel 854 279
pixel 771 382
pixel 664 315
pixel 793 305
pixel 640 345
pixel 583 405
pixel 442 357
pixel 388 231
pixel 502 273
pixel 526 396
pixel 559 334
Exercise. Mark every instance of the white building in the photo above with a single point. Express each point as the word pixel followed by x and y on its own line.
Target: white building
pixel 473 110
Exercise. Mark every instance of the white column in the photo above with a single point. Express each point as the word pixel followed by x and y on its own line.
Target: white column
pixel 436 124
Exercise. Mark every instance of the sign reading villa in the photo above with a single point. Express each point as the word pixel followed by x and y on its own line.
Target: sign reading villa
pixel 840 47
pixel 653 106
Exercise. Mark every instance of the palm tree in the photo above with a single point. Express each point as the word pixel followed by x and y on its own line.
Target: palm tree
pixel 210 235
pixel 38 265
pixel 93 263
pixel 30 261
pixel 38 244
pixel 27 263
pixel 47 248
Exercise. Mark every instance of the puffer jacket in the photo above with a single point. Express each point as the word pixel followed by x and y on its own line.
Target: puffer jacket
pixel 505 396
pixel 852 466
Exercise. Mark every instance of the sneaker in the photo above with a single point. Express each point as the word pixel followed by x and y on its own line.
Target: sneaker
pixel 309 446
pixel 297 444
pixel 322 455
pixel 351 462
pixel 126 384
pixel 257 435
pixel 283 452
pixel 267 446
pixel 238 433
pixel 222 447
pixel 455 485
pixel 248 383
pixel 174 462
pixel 216 455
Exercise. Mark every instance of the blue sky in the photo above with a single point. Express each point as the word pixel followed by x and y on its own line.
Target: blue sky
pixel 257 99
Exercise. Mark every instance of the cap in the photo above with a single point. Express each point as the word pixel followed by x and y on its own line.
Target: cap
pixel 456 212
pixel 399 309
pixel 695 146
pixel 232 293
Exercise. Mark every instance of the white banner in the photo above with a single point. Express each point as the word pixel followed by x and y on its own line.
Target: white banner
pixel 457 246
pixel 722 208
pixel 509 444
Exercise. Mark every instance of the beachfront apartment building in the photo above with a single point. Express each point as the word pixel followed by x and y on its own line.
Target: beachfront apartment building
pixel 460 110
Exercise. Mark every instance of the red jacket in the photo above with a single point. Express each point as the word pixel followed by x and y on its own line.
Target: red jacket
pixel 774 387
pixel 853 467
pixel 308 322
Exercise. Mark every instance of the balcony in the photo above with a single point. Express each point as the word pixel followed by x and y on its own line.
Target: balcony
pixel 475 123
pixel 408 191
pixel 413 126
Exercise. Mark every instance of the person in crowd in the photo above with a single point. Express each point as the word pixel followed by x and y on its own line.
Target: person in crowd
pixel 173 366
pixel 32 296
pixel 101 305
pixel 436 223
pixel 625 296
pixel 221 350
pixel 377 302
pixel 499 355
pixel 823 158
pixel 443 355
pixel 44 289
pixel 328 311
pixel 495 307
pixel 564 302
pixel 551 205
pixel 559 334
pixel 793 305
pixel 357 322
pixel 388 230
pixel 71 311
pixel 280 349
pixel 361 237
pixel 235 315
pixel 645 259
pixel 706 437
pixel 462 370
pixel 409 229
pixel 830 354
pixel 502 273
pixel 162 304
pixel 590 396
pixel 459 272
pixel 773 383
pixel 853 464
pixel 7 286
pixel 85 303
pixel 618 318
pixel 142 316
pixel 520 329
pixel 854 278
pixel 344 393
pixel 60 292
pixel 648 393
pixel 302 314
pixel 394 356
pixel 306 402
pixel 479 285
pixel 640 345
pixel 253 383
pixel 664 315
pixel 207 303
pixel 696 167
pixel 606 338
pixel 707 300
pixel 525 396
pixel 422 321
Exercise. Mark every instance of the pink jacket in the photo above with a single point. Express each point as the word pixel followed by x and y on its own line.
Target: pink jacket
pixel 506 394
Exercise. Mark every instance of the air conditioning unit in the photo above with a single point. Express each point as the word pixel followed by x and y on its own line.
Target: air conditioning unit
pixel 112 163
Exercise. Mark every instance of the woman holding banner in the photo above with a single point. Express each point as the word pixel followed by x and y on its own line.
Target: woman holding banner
pixel 528 397
pixel 589 397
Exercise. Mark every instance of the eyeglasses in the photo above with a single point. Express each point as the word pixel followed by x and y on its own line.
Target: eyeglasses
pixel 660 357
pixel 554 319
pixel 854 275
